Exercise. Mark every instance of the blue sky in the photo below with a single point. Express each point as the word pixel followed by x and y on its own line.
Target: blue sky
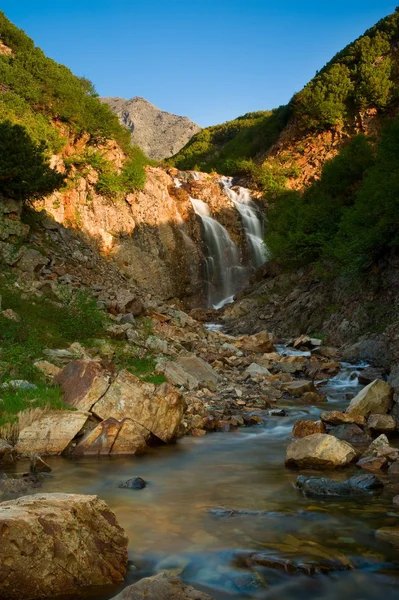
pixel 210 60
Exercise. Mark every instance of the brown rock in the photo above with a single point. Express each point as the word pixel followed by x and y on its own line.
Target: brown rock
pixel 11 315
pixel 389 534
pixel 381 423
pixel 393 470
pixel 335 417
pixel 259 343
pixel 83 383
pixel 372 463
pixel 299 388
pixel 158 409
pixel 312 398
pixel 319 451
pixel 55 544
pixel 350 432
pixel 375 398
pixel 161 587
pixel 395 501
pixel 304 428
pixel 113 437
pixel 47 368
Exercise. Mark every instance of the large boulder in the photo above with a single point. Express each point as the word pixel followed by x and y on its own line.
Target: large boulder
pixel 113 437
pixel 259 343
pixel 55 544
pixel 319 450
pixel 325 487
pixel 199 369
pixel 159 409
pixel 176 374
pixel 300 387
pixel 83 383
pixel 381 423
pixel 335 417
pixel 161 587
pixel 49 432
pixel 375 398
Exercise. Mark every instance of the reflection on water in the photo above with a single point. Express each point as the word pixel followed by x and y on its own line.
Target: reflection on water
pixel 170 524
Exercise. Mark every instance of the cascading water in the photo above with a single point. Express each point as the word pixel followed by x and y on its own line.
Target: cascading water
pixel 224 274
pixel 252 221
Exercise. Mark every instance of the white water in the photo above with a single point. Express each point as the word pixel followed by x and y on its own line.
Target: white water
pixel 223 269
pixel 252 221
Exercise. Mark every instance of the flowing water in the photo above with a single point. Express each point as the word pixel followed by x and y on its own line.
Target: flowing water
pixel 172 524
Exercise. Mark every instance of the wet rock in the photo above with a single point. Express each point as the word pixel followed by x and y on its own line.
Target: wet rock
pixel 38 465
pixel 136 483
pixel 336 417
pixel 161 587
pixel 370 374
pixel 159 409
pixel 325 487
pixel 277 412
pixel 389 535
pixel 304 428
pixel 314 559
pixel 13 487
pixel 349 432
pixel 380 447
pixel 224 512
pixel 83 383
pixel 55 544
pixel 299 388
pixel 259 343
pixel 319 451
pixel 113 437
pixel 49 433
pixel 375 398
pixel 381 423
pixel 372 463
pixel 311 398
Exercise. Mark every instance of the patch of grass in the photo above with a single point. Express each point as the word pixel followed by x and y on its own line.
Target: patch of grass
pixel 143 366
pixel 15 401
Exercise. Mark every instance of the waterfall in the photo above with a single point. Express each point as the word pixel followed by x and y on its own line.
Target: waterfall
pixel 252 221
pixel 224 274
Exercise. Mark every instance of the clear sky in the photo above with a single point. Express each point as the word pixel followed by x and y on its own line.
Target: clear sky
pixel 210 60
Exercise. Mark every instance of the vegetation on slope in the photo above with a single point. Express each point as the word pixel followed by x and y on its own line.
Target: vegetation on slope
pixel 42 106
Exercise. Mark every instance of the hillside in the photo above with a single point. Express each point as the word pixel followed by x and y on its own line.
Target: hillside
pixel 158 133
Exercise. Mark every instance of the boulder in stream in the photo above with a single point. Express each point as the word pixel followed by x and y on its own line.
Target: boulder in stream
pixel 319 450
pixel 303 428
pixel 161 587
pixel 325 487
pixel 375 398
pixel 83 383
pixel 55 544
pixel 113 437
pixel 259 343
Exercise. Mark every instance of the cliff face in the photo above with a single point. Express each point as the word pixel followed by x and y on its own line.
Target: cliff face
pixel 158 133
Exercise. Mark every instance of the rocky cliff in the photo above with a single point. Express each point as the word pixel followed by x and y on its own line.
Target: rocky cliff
pixel 158 133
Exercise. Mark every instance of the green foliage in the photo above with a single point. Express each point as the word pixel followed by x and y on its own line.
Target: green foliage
pixel 14 401
pixel 24 169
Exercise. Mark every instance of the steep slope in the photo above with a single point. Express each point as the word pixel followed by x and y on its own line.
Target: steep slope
pixel 158 133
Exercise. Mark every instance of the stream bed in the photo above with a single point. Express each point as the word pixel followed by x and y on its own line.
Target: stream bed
pixel 172 524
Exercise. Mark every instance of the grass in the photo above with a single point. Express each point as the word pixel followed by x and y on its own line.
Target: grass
pixel 141 366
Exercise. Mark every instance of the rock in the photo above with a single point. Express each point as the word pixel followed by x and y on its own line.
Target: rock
pixel 259 343
pixel 11 315
pixel 303 340
pixel 32 261
pixel 380 447
pixel 5 449
pixel 311 398
pixel 47 368
pixel 49 432
pixel 199 369
pixel 14 487
pixel 319 451
pixel 375 398
pixel 304 428
pixel 38 465
pixel 381 423
pixel 395 501
pixel 323 486
pixel 56 544
pixel 157 345
pixel 393 470
pixel 113 437
pixel 136 483
pixel 314 559
pixel 336 417
pixel 159 409
pixel 370 374
pixel 255 369
pixel 299 388
pixel 128 318
pixel 349 432
pixel 372 463
pixel 83 383
pixel 18 384
pixel 389 534
pixel 176 374
pixel 161 587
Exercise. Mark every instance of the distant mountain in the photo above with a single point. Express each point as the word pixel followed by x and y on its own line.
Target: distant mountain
pixel 158 133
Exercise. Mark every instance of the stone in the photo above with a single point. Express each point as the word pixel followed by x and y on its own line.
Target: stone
pixel 350 432
pixel 11 315
pixel 83 383
pixel 161 587
pixel 325 487
pixel 319 451
pixel 395 501
pixel 303 340
pixel 298 388
pixel 381 423
pixel 372 463
pixel 5 449
pixel 113 437
pixel 18 384
pixel 56 544
pixel 50 432
pixel 335 417
pixel 370 374
pixel 199 369
pixel 176 374
pixel 259 343
pixel 393 470
pixel 311 398
pixel 303 428
pixel 159 409
pixel 380 447
pixel 255 369
pixel 389 534
pixel 136 483
pixel 47 368
pixel 128 318
pixel 157 345
pixel 13 487
pixel 375 398
pixel 32 261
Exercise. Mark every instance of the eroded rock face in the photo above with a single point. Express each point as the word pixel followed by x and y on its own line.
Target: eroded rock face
pixel 159 409
pixel 83 383
pixel 161 587
pixel 319 451
pixel 375 398
pixel 113 437
pixel 54 544
pixel 51 432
